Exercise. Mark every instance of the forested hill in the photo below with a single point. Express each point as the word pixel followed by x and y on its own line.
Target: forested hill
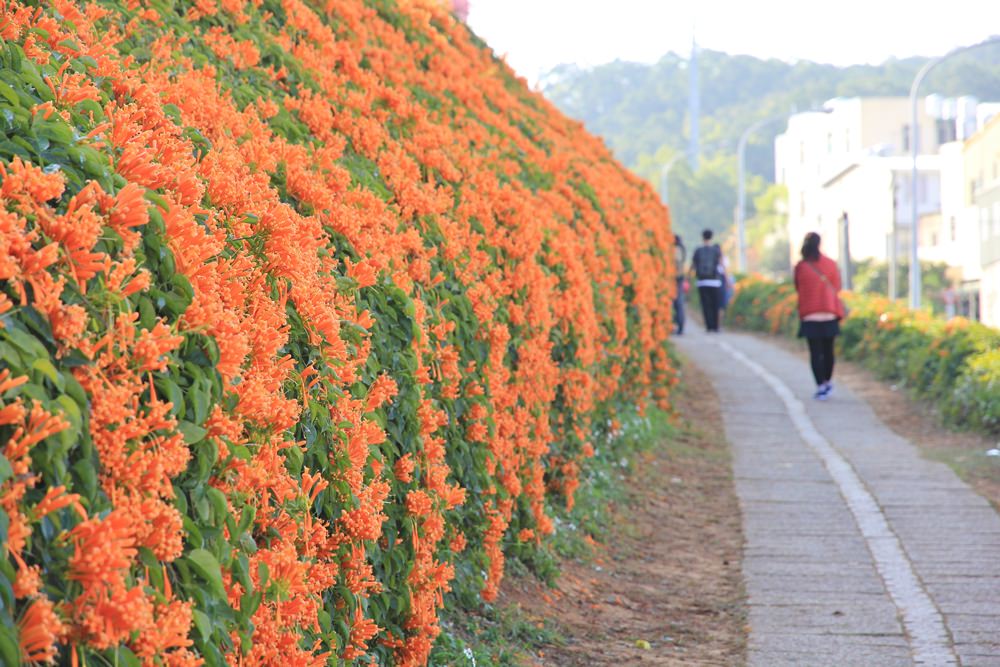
pixel 638 108
pixel 641 111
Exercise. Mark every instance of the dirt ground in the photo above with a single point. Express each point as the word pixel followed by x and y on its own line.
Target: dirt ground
pixel 918 422
pixel 666 588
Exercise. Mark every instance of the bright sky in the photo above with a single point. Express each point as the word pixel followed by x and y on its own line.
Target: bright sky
pixel 536 35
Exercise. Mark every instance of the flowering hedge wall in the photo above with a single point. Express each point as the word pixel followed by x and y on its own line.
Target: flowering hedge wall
pixel 308 311
pixel 953 363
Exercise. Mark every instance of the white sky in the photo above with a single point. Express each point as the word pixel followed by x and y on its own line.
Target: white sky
pixel 536 35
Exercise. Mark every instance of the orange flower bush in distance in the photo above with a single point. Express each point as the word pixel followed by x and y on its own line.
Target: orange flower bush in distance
pixel 953 363
pixel 308 312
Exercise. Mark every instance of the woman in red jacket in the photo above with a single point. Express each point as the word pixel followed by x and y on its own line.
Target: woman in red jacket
pixel 817 281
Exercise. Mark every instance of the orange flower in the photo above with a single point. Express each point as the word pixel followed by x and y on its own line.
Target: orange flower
pixel 362 630
pixel 418 503
pixel 403 468
pixel 40 629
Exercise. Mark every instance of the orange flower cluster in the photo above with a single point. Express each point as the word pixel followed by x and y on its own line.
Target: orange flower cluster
pixel 327 266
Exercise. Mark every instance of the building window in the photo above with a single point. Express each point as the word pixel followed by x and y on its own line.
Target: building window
pixel 946 131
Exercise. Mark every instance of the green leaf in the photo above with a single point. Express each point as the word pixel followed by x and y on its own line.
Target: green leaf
pixel 26 343
pixel 218 500
pixel 45 367
pixel 172 393
pixel 88 477
pixel 203 623
pixel 9 655
pixel 70 409
pixel 208 568
pixel 9 94
pixel 91 106
pixel 125 658
pixel 4 527
pixel 56 132
pixel 192 432
pixel 6 472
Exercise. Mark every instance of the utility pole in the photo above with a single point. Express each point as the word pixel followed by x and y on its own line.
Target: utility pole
pixel 694 108
pixel 894 243
pixel 845 250
pixel 741 204
pixel 665 178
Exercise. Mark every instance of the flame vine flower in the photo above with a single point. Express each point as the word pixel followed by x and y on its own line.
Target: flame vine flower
pixel 309 312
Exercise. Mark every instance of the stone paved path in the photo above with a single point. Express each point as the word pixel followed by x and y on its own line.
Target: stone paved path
pixel 858 551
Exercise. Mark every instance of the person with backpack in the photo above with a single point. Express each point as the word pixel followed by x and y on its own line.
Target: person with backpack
pixel 705 265
pixel 817 282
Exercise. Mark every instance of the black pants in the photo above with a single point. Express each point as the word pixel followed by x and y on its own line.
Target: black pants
pixel 821 358
pixel 711 301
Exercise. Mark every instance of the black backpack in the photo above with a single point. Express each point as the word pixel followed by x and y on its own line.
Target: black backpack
pixel 706 262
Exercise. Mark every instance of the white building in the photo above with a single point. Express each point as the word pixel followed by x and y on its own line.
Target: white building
pixel 873 191
pixel 982 195
pixel 855 160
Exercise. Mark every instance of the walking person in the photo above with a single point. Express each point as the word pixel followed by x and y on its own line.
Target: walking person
pixel 680 259
pixel 705 265
pixel 817 282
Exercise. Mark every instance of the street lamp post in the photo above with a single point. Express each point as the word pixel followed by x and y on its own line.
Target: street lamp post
pixel 741 204
pixel 741 197
pixel 665 176
pixel 914 149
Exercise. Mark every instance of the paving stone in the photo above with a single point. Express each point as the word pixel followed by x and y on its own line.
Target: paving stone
pixel 805 557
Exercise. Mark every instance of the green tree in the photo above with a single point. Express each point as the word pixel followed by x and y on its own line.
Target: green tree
pixel 767 233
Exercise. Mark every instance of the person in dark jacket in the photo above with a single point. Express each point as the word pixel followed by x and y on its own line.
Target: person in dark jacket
pixel 705 265
pixel 817 282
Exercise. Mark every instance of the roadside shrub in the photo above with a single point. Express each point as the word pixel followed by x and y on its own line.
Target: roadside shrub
pixel 308 315
pixel 952 363
pixel 763 305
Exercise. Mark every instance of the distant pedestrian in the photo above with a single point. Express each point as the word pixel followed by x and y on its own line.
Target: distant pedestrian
pixel 817 281
pixel 950 297
pixel 705 265
pixel 680 259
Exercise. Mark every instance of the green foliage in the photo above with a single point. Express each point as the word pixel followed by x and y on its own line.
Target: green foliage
pixel 871 277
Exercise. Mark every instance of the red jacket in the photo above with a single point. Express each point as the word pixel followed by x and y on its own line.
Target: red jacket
pixel 815 294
